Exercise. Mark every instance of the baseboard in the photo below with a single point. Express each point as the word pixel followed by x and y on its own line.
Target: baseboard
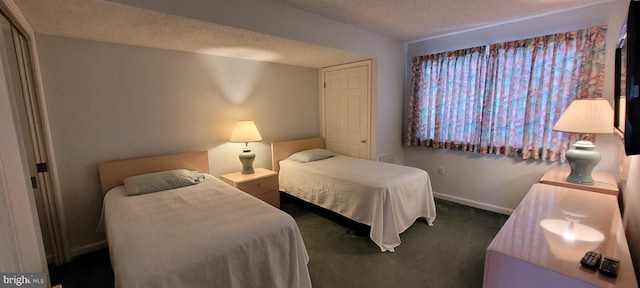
pixel 472 203
pixel 88 248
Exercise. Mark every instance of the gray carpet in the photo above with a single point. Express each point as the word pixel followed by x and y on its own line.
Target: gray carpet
pixel 448 254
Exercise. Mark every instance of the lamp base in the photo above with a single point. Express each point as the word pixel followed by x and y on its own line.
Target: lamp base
pixel 246 158
pixel 582 158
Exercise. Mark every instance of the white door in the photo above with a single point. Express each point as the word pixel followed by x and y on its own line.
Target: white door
pixel 347 102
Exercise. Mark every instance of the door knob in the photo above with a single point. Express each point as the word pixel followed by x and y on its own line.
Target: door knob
pixel 363 140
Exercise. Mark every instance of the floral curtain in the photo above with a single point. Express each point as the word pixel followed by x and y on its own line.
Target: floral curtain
pixel 447 98
pixel 505 99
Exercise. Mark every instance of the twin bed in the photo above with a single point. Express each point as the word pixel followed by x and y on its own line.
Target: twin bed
pixel 207 234
pixel 210 234
pixel 387 197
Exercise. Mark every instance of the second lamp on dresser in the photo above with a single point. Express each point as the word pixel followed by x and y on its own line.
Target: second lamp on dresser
pixel 602 182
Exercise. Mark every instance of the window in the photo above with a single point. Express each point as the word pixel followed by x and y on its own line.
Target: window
pixel 504 98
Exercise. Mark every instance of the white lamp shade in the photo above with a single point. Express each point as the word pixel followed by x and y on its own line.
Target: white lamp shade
pixel 245 131
pixel 587 116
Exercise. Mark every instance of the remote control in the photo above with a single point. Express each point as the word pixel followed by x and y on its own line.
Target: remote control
pixel 609 267
pixel 591 260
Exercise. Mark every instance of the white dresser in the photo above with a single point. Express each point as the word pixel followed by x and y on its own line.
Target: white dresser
pixel 542 242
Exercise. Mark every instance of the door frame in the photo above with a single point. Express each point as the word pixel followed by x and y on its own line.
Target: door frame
pixel 48 181
pixel 371 98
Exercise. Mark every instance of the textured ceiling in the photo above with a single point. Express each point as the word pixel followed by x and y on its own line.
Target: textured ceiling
pixel 403 20
pixel 117 23
pixel 411 20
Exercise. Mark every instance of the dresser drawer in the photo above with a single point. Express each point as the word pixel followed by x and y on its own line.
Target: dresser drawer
pixel 260 186
pixel 272 197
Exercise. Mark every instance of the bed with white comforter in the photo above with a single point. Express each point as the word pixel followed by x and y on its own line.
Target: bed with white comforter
pixel 205 235
pixel 387 197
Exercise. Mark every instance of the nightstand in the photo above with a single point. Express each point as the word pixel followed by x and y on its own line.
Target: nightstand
pixel 603 182
pixel 263 184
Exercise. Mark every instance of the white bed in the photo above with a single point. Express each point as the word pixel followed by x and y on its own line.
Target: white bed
pixel 205 235
pixel 387 197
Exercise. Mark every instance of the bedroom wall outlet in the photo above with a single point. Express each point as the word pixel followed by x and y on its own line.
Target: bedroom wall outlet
pixel 440 170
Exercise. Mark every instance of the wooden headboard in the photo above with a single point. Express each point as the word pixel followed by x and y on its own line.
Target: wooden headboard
pixel 282 150
pixel 113 172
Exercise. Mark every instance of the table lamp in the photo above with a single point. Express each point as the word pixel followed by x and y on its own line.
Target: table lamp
pixel 585 116
pixel 246 131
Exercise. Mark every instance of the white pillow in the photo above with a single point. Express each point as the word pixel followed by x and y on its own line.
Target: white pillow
pixel 311 155
pixel 159 181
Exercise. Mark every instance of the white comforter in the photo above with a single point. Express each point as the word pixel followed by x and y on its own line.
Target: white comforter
pixel 387 197
pixel 206 235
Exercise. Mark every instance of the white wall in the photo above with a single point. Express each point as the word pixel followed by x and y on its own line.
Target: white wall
pixel 108 101
pixel 274 19
pixel 498 183
pixel 631 215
